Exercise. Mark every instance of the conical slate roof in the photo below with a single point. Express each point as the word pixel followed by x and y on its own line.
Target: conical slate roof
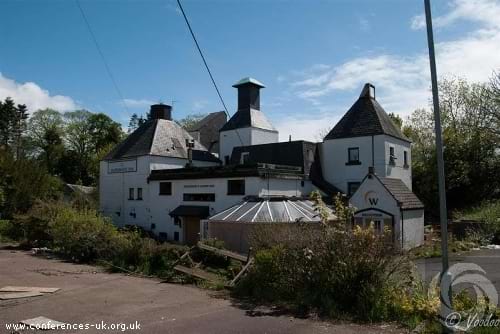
pixel 366 117
pixel 159 137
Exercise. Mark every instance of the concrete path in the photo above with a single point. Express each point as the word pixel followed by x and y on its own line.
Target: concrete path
pixel 89 295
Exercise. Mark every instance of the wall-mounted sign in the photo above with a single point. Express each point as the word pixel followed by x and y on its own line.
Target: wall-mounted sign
pixel 371 198
pixel 199 186
pixel 122 166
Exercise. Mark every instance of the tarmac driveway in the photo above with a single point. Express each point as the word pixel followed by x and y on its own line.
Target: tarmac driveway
pixel 89 295
pixel 487 259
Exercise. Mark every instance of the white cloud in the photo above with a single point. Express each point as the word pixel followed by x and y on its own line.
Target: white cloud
pixel 308 129
pixel 199 105
pixel 402 82
pixel 137 103
pixel 418 22
pixel 33 96
pixel 485 12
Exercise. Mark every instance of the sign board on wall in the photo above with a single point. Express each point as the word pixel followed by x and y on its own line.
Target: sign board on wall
pixel 371 198
pixel 122 166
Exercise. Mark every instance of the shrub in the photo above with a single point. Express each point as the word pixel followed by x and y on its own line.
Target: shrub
pixel 83 235
pixel 145 255
pixel 7 231
pixel 334 270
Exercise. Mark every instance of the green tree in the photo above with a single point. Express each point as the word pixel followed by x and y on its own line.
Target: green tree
pixel 104 131
pixel 23 181
pixel 396 119
pixel 7 118
pixel 136 121
pixel 471 150
pixel 12 125
pixel 190 120
pixel 46 133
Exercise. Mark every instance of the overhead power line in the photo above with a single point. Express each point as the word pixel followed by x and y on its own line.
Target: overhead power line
pixel 206 66
pixel 101 54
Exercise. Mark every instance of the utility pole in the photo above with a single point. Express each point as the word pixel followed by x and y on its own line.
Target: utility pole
pixel 443 219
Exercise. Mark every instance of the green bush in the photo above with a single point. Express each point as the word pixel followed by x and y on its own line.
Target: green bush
pixel 145 255
pixel 84 235
pixel 7 231
pixel 333 270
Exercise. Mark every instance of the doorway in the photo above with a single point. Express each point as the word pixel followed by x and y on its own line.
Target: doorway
pixel 191 230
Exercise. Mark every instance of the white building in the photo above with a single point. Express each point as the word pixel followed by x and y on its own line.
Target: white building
pixel 148 180
pixel 248 126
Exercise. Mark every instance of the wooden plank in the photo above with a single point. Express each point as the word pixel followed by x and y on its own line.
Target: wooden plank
pixel 224 252
pixel 242 271
pixel 17 295
pixel 198 273
pixel 28 289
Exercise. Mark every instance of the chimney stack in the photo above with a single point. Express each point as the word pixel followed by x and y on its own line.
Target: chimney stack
pixel 368 91
pixel 161 111
pixel 248 93
pixel 190 146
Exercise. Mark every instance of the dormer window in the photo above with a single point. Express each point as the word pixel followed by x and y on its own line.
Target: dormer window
pixel 392 156
pixel 353 156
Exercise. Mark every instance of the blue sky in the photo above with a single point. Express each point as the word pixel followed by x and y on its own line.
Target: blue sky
pixel 313 56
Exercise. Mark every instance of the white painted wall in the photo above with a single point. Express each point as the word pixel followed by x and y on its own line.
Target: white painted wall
pixel 334 154
pixel 261 136
pixel 413 229
pixel 398 170
pixel 162 205
pixel 114 188
pixel 230 139
pixel 249 136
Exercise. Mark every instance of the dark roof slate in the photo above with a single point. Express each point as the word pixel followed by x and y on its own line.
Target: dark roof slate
pixel 159 137
pixel 205 121
pixel 366 117
pixel 406 198
pixel 248 117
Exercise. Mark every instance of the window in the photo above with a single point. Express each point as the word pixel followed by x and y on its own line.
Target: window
pixel 244 158
pixel 199 197
pixel 392 156
pixel 163 236
pixel 353 156
pixel 236 187
pixel 139 194
pixel 153 226
pixel 405 158
pixel 176 236
pixel 352 187
pixel 130 193
pixel 165 188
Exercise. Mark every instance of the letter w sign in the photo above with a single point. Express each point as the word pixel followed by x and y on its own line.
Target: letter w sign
pixel 373 201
